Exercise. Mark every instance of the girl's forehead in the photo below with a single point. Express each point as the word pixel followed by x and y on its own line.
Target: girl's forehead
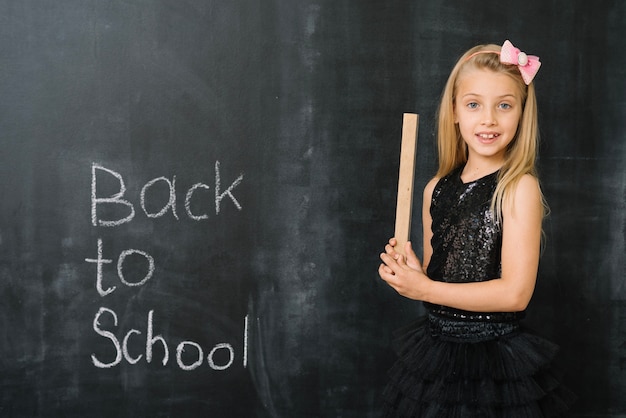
pixel 486 82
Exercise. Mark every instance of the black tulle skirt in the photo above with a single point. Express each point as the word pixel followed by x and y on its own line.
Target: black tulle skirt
pixel 452 368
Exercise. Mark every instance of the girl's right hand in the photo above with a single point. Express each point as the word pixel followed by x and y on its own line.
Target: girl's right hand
pixel 405 275
pixel 411 258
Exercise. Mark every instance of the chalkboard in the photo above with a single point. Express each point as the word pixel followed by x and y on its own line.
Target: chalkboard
pixel 195 194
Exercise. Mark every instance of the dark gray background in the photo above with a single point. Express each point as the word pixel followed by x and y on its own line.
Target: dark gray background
pixel 305 99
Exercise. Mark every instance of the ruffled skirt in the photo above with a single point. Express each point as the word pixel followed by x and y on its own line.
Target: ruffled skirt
pixel 452 368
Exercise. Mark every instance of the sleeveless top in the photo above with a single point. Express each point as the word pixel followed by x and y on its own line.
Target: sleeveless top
pixel 467 239
pixel 454 363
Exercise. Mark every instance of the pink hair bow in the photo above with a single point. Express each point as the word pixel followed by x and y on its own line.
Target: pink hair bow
pixel 528 64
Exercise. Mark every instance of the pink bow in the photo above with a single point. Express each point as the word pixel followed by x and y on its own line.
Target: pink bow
pixel 528 64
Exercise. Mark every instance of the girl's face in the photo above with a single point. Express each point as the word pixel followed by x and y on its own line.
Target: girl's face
pixel 488 107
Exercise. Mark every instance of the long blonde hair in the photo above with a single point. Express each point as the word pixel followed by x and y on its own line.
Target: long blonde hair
pixel 521 153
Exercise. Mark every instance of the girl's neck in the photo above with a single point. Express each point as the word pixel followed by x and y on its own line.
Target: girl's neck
pixel 476 170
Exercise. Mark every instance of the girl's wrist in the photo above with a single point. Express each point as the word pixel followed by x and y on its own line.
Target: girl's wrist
pixel 427 289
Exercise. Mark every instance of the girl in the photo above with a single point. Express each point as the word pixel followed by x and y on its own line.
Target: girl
pixel 482 217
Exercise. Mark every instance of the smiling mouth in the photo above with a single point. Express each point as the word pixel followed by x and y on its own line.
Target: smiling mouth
pixel 488 136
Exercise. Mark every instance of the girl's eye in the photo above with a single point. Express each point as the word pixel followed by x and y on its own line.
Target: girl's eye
pixel 472 105
pixel 505 106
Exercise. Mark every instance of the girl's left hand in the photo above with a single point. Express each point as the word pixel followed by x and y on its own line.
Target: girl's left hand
pixel 405 275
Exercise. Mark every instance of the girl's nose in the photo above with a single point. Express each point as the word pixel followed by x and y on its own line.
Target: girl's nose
pixel 489 118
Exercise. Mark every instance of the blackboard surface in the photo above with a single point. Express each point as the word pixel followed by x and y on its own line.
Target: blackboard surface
pixel 195 193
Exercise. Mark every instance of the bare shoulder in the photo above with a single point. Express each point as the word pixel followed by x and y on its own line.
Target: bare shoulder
pixel 528 188
pixel 527 199
pixel 428 189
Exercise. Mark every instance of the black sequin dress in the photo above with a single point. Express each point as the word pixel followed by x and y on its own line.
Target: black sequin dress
pixel 455 363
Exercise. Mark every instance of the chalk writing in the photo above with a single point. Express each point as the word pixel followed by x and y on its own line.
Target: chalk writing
pixel 120 265
pixel 118 198
pixel 121 349
pixel 189 354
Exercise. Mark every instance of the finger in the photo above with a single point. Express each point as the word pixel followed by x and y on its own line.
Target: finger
pixel 410 254
pixel 382 270
pixel 389 279
pixel 412 260
pixel 389 249
pixel 385 268
pixel 390 261
pixel 393 241
pixel 401 260
pixel 385 273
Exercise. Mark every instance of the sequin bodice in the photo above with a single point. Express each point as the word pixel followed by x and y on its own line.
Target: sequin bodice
pixel 467 240
pixel 467 245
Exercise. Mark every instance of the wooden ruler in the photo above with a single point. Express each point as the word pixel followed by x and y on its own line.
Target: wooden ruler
pixel 406 178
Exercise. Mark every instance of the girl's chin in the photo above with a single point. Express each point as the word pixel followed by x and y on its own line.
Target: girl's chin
pixel 486 141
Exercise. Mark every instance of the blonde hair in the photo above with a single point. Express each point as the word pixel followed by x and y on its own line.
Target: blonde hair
pixel 521 153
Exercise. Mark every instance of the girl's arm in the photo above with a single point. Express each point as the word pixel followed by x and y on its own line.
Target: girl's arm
pixel 427 222
pixel 520 259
